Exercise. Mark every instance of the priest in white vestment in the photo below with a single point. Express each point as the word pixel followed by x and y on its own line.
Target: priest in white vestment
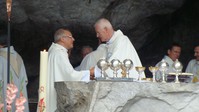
pixel 60 68
pixel 18 74
pixel 173 53
pixel 118 46
pixel 193 65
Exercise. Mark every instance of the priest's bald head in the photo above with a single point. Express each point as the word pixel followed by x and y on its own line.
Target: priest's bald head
pixel 64 38
pixel 104 30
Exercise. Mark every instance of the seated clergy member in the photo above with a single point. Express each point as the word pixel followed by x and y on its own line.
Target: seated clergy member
pixel 59 67
pixel 173 53
pixel 118 46
pixel 193 65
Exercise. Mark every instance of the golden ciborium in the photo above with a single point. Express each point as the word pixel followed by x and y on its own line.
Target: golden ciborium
pixel 139 69
pixel 153 70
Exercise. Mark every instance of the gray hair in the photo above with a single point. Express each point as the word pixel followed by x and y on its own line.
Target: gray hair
pixel 59 34
pixel 102 23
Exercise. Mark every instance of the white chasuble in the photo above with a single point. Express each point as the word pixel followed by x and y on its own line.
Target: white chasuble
pixel 60 69
pixel 120 47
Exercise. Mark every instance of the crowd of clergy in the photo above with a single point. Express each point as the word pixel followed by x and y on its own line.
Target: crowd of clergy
pixel 113 44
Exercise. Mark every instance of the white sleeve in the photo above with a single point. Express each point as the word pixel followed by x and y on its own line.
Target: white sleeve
pixel 189 67
pixel 85 76
pixel 97 72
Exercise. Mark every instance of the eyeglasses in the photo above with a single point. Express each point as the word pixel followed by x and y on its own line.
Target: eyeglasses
pixel 69 36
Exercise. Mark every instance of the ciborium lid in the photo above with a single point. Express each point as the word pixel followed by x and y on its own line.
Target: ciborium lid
pixel 128 63
pixel 115 64
pixel 163 65
pixel 177 65
pixel 103 64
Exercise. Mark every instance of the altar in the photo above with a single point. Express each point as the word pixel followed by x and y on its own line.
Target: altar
pixel 127 96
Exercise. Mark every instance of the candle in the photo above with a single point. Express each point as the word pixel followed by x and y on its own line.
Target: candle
pixel 42 81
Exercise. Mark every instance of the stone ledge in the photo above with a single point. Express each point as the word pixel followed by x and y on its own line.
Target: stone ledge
pixel 127 97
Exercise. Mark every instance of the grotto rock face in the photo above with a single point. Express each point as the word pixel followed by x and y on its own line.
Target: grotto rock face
pixel 105 96
pixel 34 22
pixel 151 25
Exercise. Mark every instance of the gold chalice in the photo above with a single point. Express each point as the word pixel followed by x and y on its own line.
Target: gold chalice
pixel 153 70
pixel 139 69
